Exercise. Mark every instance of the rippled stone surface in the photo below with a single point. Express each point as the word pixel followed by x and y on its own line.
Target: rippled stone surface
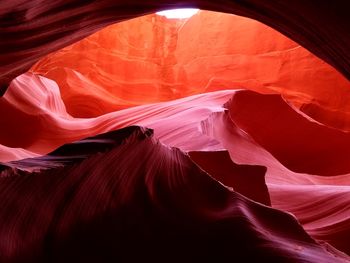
pixel 212 138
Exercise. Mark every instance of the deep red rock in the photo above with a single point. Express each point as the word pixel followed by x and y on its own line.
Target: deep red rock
pixel 140 200
pixel 198 186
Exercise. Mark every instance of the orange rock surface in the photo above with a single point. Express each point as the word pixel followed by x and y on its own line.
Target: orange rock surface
pixel 151 59
pixel 169 136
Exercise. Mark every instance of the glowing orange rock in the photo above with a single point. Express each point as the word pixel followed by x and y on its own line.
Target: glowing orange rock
pixel 83 204
pixel 151 59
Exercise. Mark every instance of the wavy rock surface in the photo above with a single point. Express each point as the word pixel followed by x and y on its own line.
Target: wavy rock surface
pixel 49 129
pixel 140 196
pixel 152 59
pixel 206 126
pixel 320 201
pixel 199 185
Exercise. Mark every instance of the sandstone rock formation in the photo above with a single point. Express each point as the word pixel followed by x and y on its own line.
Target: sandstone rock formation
pixel 208 138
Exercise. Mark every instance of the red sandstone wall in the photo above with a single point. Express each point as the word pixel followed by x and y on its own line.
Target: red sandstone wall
pixel 151 59
pixel 306 165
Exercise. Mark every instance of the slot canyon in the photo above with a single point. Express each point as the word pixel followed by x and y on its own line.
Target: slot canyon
pixel 219 133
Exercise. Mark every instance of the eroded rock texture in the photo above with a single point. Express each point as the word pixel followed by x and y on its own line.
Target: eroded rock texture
pixel 208 138
pixel 154 59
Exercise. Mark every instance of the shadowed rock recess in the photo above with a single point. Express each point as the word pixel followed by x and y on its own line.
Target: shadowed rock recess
pixel 129 136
